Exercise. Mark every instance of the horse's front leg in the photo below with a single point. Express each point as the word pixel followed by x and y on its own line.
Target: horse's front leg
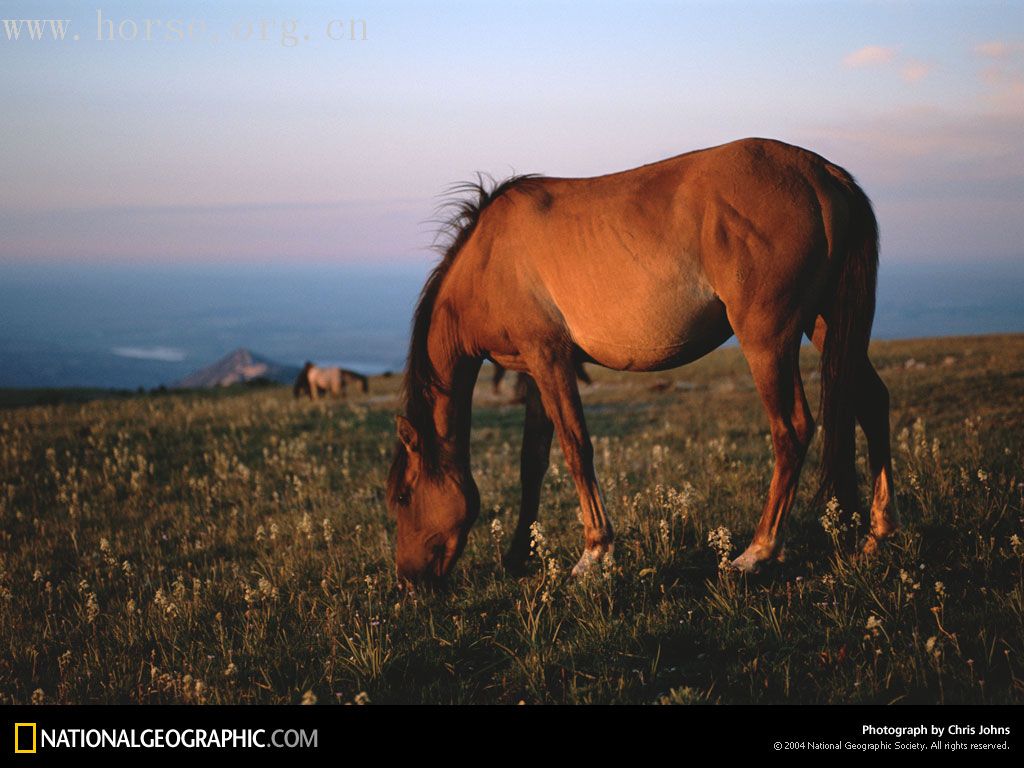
pixel 556 380
pixel 534 461
pixel 777 377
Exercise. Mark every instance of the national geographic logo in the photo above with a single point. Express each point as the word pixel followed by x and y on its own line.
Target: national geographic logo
pixel 28 738
pixel 24 738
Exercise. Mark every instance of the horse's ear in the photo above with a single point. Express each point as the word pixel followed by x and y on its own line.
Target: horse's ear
pixel 407 434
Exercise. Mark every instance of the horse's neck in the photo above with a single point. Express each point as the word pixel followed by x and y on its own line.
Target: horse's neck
pixel 457 372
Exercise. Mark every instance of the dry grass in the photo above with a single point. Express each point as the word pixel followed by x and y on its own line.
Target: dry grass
pixel 211 548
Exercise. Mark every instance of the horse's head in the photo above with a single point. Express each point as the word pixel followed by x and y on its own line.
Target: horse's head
pixel 302 380
pixel 434 507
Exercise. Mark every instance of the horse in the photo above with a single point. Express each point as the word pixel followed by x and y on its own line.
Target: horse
pixel 312 380
pixel 519 390
pixel 497 377
pixel 643 270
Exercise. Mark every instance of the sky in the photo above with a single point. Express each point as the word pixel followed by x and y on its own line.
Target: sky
pixel 249 143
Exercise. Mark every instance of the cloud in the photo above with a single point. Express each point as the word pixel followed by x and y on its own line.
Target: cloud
pixel 869 56
pixel 163 354
pixel 910 70
pixel 999 49
pixel 913 71
pixel 1003 75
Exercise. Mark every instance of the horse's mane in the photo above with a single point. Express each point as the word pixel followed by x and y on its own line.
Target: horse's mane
pixel 458 215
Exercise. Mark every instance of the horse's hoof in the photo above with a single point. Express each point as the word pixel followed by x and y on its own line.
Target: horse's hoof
pixel 756 559
pixel 873 545
pixel 591 560
pixel 514 563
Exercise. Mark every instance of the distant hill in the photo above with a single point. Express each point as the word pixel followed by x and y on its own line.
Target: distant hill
pixel 238 367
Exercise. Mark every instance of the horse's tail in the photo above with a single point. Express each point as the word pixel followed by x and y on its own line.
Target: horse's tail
pixel 844 352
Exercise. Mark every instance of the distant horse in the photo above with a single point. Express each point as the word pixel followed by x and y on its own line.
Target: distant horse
pixel 644 270
pixel 312 381
pixel 520 390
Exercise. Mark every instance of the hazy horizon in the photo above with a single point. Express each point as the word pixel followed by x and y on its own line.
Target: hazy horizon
pixel 124 326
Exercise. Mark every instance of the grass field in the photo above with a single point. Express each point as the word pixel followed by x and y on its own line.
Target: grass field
pixel 235 548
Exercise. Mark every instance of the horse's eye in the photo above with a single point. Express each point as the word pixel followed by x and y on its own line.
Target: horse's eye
pixel 404 498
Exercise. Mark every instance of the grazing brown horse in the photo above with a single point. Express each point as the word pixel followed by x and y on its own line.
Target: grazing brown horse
pixel 312 380
pixel 644 270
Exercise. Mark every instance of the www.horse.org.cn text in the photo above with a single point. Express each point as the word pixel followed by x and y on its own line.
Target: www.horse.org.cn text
pixel 106 28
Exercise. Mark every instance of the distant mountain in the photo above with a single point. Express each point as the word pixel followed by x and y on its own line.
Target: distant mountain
pixel 238 367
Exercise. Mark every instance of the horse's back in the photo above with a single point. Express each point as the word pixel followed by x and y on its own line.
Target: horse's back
pixel 642 264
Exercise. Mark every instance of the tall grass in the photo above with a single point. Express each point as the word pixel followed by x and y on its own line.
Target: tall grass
pixel 195 549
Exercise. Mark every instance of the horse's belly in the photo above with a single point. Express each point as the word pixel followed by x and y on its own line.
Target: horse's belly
pixel 653 328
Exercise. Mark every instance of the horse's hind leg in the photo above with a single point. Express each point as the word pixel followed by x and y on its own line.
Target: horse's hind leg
pixel 873 415
pixel 872 403
pixel 777 377
pixel 556 380
pixel 534 461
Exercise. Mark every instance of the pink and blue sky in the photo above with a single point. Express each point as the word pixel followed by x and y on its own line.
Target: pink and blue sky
pixel 236 151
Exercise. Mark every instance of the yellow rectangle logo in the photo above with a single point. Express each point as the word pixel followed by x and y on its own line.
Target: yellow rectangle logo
pixel 18 748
